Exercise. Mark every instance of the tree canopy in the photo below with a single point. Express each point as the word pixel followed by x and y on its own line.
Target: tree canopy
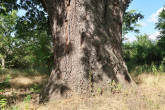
pixel 27 37
pixel 160 25
pixel 130 21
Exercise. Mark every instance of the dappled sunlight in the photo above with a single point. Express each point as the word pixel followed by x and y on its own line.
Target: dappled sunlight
pixel 25 82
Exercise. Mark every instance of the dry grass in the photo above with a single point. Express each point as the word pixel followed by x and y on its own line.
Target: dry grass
pixel 25 82
pixel 150 95
pixel 126 100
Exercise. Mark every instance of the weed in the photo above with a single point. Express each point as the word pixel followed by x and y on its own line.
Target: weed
pixel 5 83
pixel 90 81
pixel 115 87
pixel 14 107
pixel 154 69
pixel 7 79
pixel 3 103
pixel 26 101
pixel 161 66
pixel 27 98
pixel 99 90
pixel 2 90
pixel 36 88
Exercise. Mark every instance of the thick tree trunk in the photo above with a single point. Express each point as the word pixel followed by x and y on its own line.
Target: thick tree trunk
pixel 87 46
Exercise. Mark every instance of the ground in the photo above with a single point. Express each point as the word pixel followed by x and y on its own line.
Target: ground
pixel 148 95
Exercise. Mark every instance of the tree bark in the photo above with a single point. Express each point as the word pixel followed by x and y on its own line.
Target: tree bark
pixel 87 38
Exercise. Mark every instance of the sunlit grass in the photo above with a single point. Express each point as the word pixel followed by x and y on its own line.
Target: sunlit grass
pixel 24 72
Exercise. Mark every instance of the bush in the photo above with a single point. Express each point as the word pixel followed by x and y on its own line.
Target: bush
pixel 143 55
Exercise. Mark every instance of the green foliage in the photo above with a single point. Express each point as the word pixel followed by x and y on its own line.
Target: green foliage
pixel 14 107
pixel 160 25
pixel 99 90
pixel 130 21
pixel 26 101
pixel 7 28
pixel 115 88
pixel 161 22
pixel 36 88
pixel 26 41
pixel 154 68
pixel 27 98
pixel 3 103
pixel 7 79
pixel 143 55
pixel 5 83
pixel 142 51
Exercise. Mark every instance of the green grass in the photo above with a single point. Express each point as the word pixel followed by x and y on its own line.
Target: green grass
pixel 139 69
pixel 25 72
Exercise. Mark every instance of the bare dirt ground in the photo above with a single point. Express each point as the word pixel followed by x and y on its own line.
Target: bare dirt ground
pixel 149 95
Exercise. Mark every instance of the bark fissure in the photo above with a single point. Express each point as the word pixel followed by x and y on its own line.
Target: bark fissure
pixel 105 9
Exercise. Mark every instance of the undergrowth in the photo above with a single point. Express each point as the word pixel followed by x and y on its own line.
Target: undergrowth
pixel 3 86
pixel 152 69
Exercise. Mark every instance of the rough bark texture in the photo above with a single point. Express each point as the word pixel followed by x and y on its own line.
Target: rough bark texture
pixel 87 46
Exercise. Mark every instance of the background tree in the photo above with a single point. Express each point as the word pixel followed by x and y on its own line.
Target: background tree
pixel 36 42
pixel 161 27
pixel 130 21
pixel 7 29
pixel 31 40
pixel 143 55
pixel 142 51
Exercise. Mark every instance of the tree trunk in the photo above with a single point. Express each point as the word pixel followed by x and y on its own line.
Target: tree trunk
pixel 87 38
pixel 3 63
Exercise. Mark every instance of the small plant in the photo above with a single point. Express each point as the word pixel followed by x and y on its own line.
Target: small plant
pixel 3 103
pixel 115 87
pixel 161 68
pixel 5 83
pixel 139 70
pixel 99 90
pixel 26 101
pixel 1 90
pixel 154 69
pixel 90 81
pixel 35 88
pixel 27 98
pixel 119 87
pixel 14 107
pixel 7 79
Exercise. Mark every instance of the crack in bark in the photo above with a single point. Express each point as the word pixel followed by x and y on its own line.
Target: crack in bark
pixel 105 9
